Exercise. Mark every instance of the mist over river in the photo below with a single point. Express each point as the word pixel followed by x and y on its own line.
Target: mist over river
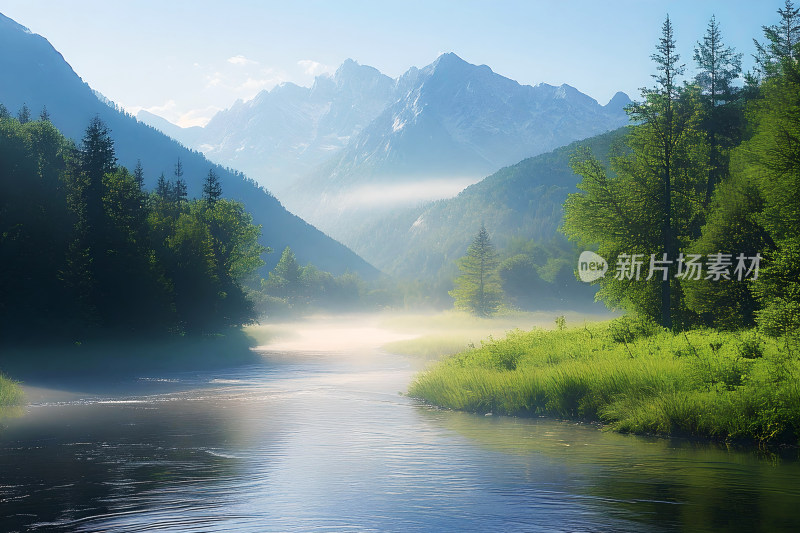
pixel 315 435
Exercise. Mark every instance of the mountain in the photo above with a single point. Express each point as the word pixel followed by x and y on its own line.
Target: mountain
pixel 284 133
pixel 453 123
pixel 186 136
pixel 524 200
pixel 35 74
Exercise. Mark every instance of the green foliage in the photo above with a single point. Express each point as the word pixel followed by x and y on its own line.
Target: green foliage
pixel 88 253
pixel 11 394
pixel 696 383
pixel 629 328
pixel 782 46
pixel 292 289
pixel 478 289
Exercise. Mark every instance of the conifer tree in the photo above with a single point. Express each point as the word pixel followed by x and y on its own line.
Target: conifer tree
pixel 649 207
pixel 783 42
pixel 719 66
pixel 24 114
pixel 138 174
pixel 212 188
pixel 478 289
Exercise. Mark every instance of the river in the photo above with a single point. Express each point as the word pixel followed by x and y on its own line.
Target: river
pixel 316 436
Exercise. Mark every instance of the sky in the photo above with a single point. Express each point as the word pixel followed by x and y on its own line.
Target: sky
pixel 187 59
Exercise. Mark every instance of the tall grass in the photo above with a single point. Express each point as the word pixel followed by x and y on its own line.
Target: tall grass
pixel 640 379
pixel 10 394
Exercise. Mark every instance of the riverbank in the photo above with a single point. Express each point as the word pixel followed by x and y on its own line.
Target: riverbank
pixel 632 377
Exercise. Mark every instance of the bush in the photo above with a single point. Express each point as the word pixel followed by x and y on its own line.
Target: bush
pixel 628 328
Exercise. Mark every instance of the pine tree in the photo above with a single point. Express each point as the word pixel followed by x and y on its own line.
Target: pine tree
pixel 24 114
pixel 783 42
pixel 93 241
pixel 212 188
pixel 477 289
pixel 44 116
pixel 719 66
pixel 658 111
pixel 162 187
pixel 650 204
pixel 138 174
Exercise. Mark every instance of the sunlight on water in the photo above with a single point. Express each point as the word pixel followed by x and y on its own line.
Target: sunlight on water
pixel 354 334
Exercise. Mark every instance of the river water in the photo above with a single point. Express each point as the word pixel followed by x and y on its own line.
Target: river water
pixel 314 439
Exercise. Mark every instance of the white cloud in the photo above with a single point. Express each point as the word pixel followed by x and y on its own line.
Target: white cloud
pixel 162 110
pixel 197 117
pixel 185 119
pixel 313 68
pixel 214 80
pixel 254 86
pixel 241 60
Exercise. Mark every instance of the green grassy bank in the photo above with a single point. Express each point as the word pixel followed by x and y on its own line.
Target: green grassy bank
pixel 632 377
pixel 10 395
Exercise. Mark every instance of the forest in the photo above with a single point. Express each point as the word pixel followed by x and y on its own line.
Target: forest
pixel 87 252
pixel 697 214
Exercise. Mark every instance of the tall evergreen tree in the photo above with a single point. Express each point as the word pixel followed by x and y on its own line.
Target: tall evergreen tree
pixel 658 112
pixel 212 188
pixel 719 66
pixel 477 289
pixel 138 173
pixel 645 212
pixel 24 114
pixel 88 268
pixel 782 42
pixel 162 187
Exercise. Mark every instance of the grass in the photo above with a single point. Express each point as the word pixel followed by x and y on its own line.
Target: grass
pixel 452 332
pixel 11 395
pixel 633 377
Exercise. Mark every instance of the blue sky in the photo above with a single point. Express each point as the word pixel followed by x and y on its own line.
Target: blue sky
pixel 186 59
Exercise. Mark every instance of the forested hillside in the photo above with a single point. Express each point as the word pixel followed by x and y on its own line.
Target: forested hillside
pixel 520 202
pixel 87 251
pixel 36 76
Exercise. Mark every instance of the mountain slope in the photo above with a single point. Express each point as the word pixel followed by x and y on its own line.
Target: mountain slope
pixel 35 74
pixel 523 200
pixel 283 133
pixel 452 122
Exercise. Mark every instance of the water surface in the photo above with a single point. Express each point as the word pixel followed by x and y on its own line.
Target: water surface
pixel 309 439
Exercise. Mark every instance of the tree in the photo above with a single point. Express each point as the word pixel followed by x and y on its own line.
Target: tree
pixel 138 173
pixel 477 289
pixel 718 67
pixel 24 114
pixel 783 42
pixel 651 201
pixel 212 188
pixel 771 158
pixel 44 116
pixel 284 281
pixel 87 269
pixel 180 192
pixel 658 112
